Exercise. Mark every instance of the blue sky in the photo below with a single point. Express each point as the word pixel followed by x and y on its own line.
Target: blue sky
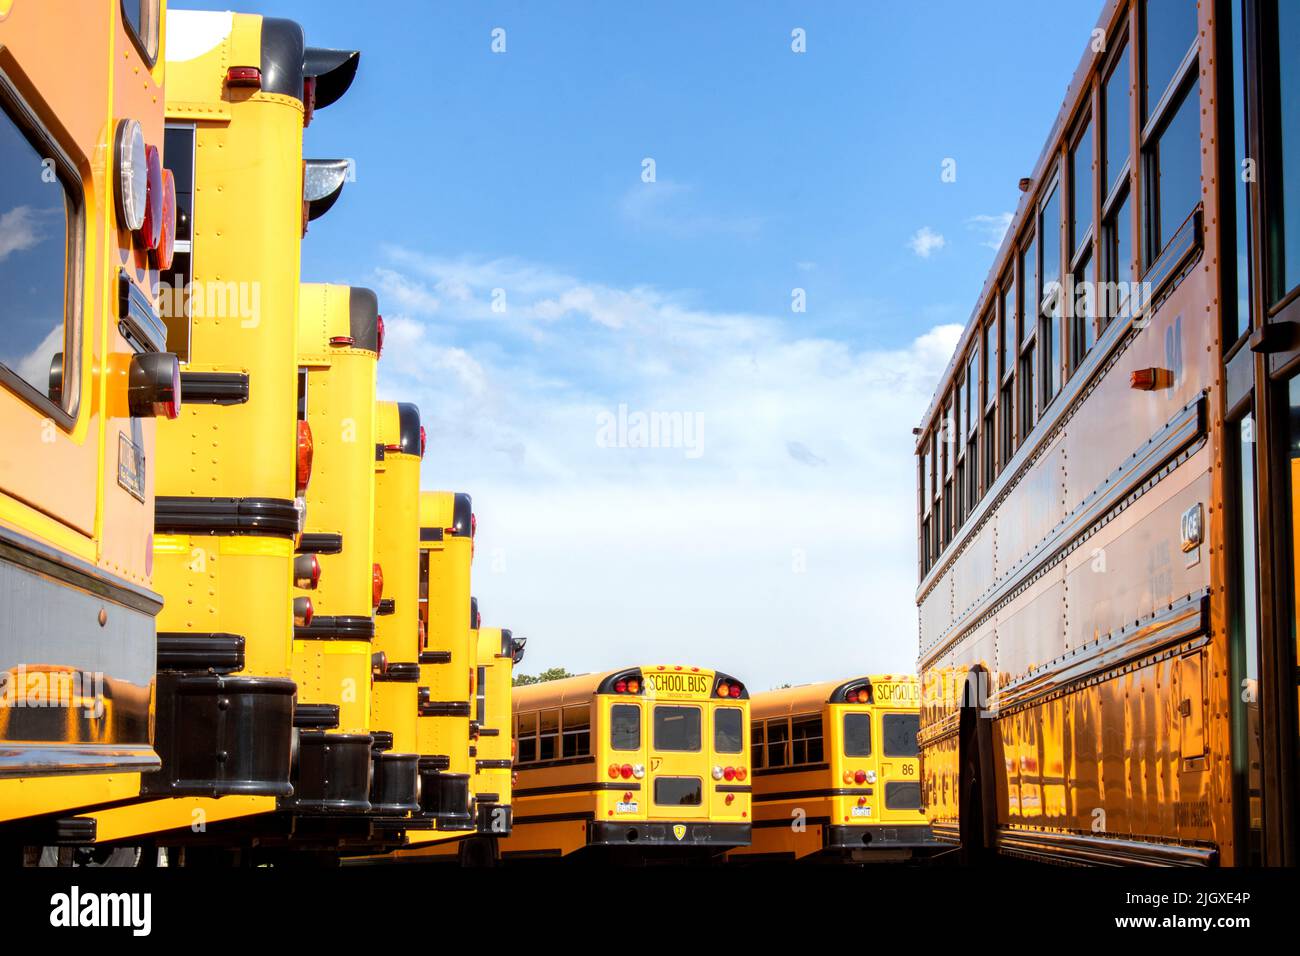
pixel 534 284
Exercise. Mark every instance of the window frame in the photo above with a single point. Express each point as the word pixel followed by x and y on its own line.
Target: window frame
pixel 141 44
pixel 640 729
pixel 28 124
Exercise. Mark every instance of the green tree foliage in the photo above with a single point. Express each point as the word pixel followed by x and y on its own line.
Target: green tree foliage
pixel 551 673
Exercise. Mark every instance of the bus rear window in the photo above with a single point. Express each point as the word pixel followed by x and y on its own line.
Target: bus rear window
pixel 728 730
pixel 903 796
pixel 678 791
pixel 625 727
pixel 677 728
pixel 900 734
pixel 857 735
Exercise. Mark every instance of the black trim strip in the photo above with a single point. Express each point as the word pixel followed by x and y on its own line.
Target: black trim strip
pixel 399 673
pixel 585 786
pixel 435 657
pixel 333 71
pixel 462 515
pixel 547 818
pixel 214 388
pixel 733 788
pixel 336 627
pixel 445 708
pixel 363 311
pixel 316 716
pixel 67 569
pixel 495 765
pixel 433 763
pixel 219 652
pixel 489 732
pixel 320 542
pixel 272 517
pixel 784 823
pixel 557 762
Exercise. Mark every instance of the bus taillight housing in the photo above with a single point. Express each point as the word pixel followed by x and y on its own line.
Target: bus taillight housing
pixel 306 451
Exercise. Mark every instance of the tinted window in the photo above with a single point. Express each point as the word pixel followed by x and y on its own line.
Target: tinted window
pixel 1009 328
pixel 1169 27
pixel 778 739
pixel 857 735
pixel 577 731
pixel 1050 234
pixel 1028 289
pixel 678 791
pixel 1118 251
pixel 1286 255
pixel 900 734
pixel 1177 170
pixel 625 727
pixel 526 737
pixel 806 739
pixel 1081 189
pixel 677 728
pixel 548 734
pixel 903 796
pixel 728 730
pixel 34 264
pixel 1117 112
pixel 991 356
pixel 756 741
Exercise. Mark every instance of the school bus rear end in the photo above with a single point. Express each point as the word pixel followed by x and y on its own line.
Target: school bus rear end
pixel 89 218
pixel 640 763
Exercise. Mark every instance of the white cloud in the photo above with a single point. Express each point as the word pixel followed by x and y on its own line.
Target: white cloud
pixel 925 241
pixel 993 228
pixel 606 556
pixel 672 208
pixel 19 230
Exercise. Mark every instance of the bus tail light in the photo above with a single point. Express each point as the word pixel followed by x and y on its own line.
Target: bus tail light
pixel 638 770
pixel 729 774
pixel 717 773
pixel 151 227
pixel 303 611
pixel 132 174
pixel 625 771
pixel 246 77
pixel 308 100
pixel 154 385
pixel 848 776
pixel 306 452
pixel 860 777
pixel 424 441
pixel 613 771
pixel 306 572
pixel 871 776
pixel 167 239
pixel 379 336
pixel 376 584
pixel 731 798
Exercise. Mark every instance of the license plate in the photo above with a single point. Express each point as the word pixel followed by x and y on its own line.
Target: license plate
pixel 627 807
pixel 859 811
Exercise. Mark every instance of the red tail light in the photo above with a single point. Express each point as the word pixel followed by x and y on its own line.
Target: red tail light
pixel 379 336
pixel 620 687
pixel 424 440
pixel 306 572
pixel 729 773
pixel 730 799
pixel 424 638
pixel 167 238
pixel 244 76
pixel 860 777
pixel 625 771
pixel 306 451
pixel 151 231
pixel 735 690
pixel 376 585
pixel 308 100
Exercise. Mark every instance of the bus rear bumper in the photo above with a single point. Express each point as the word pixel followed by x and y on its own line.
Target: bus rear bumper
pixel 668 833
pixel 907 836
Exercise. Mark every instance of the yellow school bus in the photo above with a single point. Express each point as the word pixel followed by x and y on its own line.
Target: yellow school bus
pixel 835 772
pixel 639 762
pixel 233 469
pixel 87 221
pixel 492 752
pixel 446 550
pixel 397 452
pixel 338 349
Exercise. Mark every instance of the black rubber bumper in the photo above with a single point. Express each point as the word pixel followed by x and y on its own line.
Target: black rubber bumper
pixel 332 773
pixel 396 784
pixel 667 833
pixel 879 837
pixel 222 736
pixel 444 796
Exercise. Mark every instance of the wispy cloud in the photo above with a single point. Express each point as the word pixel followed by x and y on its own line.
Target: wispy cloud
pixel 686 558
pixel 20 229
pixel 992 228
pixel 925 241
pixel 675 209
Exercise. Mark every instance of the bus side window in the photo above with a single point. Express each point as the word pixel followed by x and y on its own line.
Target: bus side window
pixel 806 739
pixel 526 735
pixel 548 732
pixel 778 738
pixel 577 731
pixel 625 727
pixel 757 744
